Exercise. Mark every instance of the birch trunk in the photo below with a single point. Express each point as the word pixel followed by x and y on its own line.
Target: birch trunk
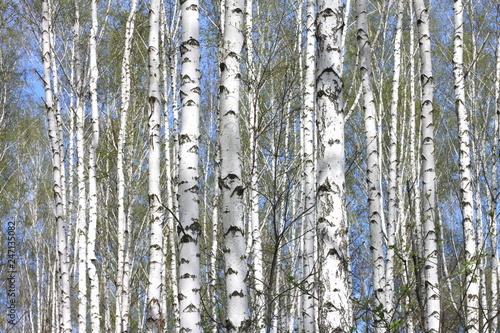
pixel 393 166
pixel 81 222
pixel 230 180
pixel 189 231
pixel 255 248
pixel 335 312
pixel 215 248
pixel 308 305
pixel 494 201
pixel 415 231
pixel 155 319
pixel 92 228
pixel 373 166
pixel 168 40
pixel 64 304
pixel 467 204
pixel 124 265
pixel 432 293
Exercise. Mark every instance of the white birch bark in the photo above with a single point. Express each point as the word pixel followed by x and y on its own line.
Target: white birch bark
pixel 81 220
pixel 335 311
pixel 64 304
pixel 392 217
pixel 493 315
pixel 215 248
pixel 124 265
pixel 57 111
pixel 373 166
pixel 467 204
pixel 415 232
pixel 230 180
pixel 189 231
pixel 432 292
pixel 255 248
pixel 168 31
pixel 155 319
pixel 308 303
pixel 168 39
pixel 92 227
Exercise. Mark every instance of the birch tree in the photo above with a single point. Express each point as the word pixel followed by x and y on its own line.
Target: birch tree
pixel 432 293
pixel 308 306
pixel 189 232
pixel 155 319
pixel 335 313
pixel 231 181
pixel 373 167
pixel 467 205
pixel 168 40
pixel 493 201
pixel 81 220
pixel 92 229
pixel 254 247
pixel 64 304
pixel 123 236
pixel 393 164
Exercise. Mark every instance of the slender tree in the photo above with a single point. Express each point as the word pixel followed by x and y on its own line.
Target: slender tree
pixel 189 232
pixel 429 227
pixel 81 220
pixel 254 248
pixel 373 167
pixel 93 202
pixel 64 302
pixel 493 201
pixel 335 311
pixel 392 217
pixel 155 319
pixel 467 204
pixel 168 39
pixel 123 236
pixel 308 306
pixel 231 181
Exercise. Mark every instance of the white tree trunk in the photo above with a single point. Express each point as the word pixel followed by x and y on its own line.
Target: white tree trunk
pixel 392 217
pixel 231 181
pixel 373 166
pixel 64 304
pixel 308 299
pixel 155 319
pixel 335 312
pixel 467 204
pixel 189 231
pixel 215 248
pixel 432 293
pixel 415 231
pixel 124 265
pixel 255 248
pixel 169 41
pixel 92 228
pixel 493 202
pixel 81 221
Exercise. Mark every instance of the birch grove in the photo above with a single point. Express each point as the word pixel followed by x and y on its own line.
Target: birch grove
pixel 249 166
